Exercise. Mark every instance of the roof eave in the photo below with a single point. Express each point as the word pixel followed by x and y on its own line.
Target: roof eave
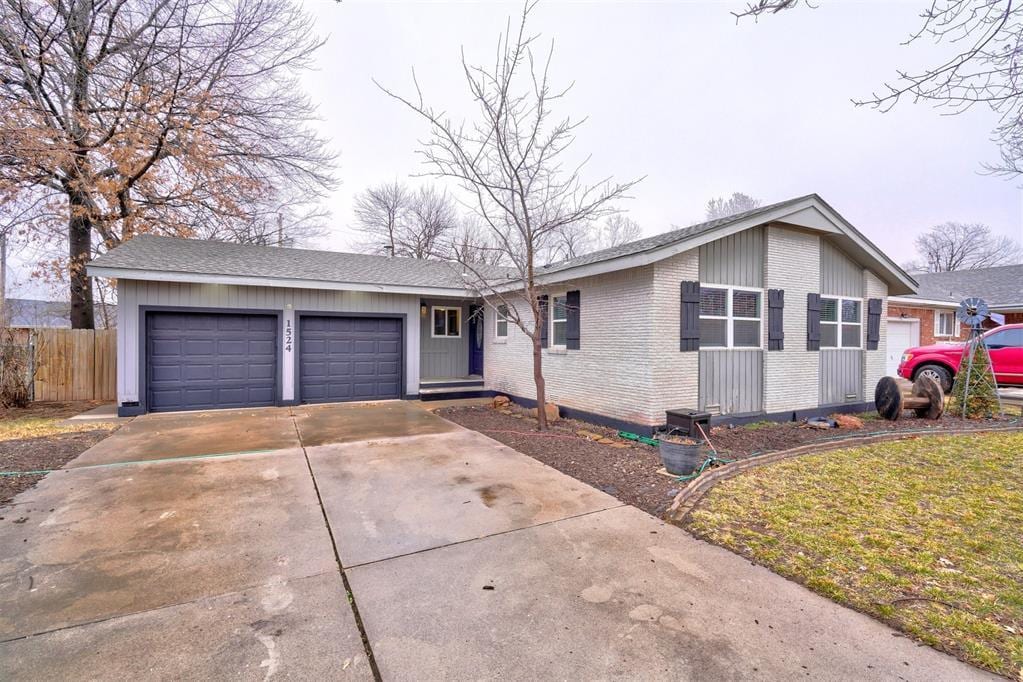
pixel 244 280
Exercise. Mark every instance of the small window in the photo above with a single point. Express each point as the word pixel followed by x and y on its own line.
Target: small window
pixel 729 317
pixel 841 322
pixel 945 324
pixel 447 322
pixel 501 329
pixel 559 322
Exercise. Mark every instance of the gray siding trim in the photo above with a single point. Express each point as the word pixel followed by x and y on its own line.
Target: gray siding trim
pixel 840 275
pixel 737 259
pixel 732 381
pixel 841 376
pixel 443 358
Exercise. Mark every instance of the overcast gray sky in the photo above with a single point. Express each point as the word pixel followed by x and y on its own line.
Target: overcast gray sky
pixel 680 93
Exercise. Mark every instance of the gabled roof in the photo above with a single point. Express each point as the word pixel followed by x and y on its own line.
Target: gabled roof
pixel 190 260
pixel 809 212
pixel 999 287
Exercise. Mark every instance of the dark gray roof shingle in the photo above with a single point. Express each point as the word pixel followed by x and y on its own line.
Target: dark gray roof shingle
pixel 664 239
pixel 193 256
pixel 998 286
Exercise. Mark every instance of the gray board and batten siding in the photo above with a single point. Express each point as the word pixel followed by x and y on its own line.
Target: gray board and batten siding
pixel 443 357
pixel 732 381
pixel 841 369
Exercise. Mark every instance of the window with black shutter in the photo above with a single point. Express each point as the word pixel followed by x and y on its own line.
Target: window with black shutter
pixel 775 319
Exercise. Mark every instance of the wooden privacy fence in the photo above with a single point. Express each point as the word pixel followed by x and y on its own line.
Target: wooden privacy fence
pixel 73 364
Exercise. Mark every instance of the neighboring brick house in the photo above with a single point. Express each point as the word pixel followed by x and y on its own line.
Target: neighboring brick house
pixel 928 316
pixel 778 312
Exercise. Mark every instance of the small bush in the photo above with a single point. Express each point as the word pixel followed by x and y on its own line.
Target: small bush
pixel 15 382
pixel 981 400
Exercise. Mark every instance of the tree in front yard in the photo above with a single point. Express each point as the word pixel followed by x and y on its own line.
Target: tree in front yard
pixel 180 117
pixel 974 394
pixel 511 160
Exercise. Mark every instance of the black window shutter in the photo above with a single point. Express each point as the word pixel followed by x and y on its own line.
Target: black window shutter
pixel 775 320
pixel 873 323
pixel 690 316
pixel 545 321
pixel 813 322
pixel 572 332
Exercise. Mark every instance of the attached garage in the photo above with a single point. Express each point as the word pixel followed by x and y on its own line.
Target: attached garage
pixel 199 360
pixel 349 358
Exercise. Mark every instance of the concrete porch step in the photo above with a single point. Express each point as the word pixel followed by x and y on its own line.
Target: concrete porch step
pixel 452 392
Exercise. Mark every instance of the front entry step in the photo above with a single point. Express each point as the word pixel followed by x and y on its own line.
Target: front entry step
pixel 451 389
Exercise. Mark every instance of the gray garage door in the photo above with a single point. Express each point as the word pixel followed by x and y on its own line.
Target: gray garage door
pixel 349 358
pixel 201 361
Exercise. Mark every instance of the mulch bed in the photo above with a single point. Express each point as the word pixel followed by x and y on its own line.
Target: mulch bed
pixel 45 410
pixel 35 454
pixel 630 473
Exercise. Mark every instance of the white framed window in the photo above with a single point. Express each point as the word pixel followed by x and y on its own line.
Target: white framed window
pixel 501 321
pixel 841 322
pixel 730 317
pixel 559 321
pixel 945 323
pixel 447 322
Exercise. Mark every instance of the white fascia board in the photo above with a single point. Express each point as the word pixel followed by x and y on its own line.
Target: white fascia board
pixel 187 277
pixel 1008 307
pixel 922 302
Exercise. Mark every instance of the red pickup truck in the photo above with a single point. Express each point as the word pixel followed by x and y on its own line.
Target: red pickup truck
pixel 941 361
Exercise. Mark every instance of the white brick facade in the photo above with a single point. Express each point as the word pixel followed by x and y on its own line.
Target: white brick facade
pixel 629 366
pixel 792 263
pixel 875 361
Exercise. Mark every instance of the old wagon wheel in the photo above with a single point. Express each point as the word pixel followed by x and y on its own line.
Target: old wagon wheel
pixel 888 399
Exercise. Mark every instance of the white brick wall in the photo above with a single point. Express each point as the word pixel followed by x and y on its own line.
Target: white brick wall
pixel 875 361
pixel 610 374
pixel 791 376
pixel 675 374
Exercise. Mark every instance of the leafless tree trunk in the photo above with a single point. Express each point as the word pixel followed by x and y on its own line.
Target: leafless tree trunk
pixel 510 161
pixel 179 117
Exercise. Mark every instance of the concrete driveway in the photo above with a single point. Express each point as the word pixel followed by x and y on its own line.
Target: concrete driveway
pixel 296 543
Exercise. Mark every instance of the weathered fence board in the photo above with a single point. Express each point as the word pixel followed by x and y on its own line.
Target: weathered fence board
pixel 72 364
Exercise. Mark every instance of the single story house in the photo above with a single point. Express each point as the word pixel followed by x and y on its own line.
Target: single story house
pixel 928 316
pixel 776 312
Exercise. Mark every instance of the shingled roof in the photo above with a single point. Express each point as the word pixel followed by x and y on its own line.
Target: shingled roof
pixel 1001 286
pixel 150 253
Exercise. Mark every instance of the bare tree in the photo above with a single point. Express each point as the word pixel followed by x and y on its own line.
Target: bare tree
pixel 379 213
pixel 511 162
pixel 473 244
pixel 983 70
pixel 429 221
pixel 964 246
pixel 181 117
pixel 617 230
pixel 722 207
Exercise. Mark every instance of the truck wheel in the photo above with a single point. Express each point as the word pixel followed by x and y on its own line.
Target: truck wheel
pixel 939 374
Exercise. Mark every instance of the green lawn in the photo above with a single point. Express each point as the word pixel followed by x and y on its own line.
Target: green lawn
pixel 924 534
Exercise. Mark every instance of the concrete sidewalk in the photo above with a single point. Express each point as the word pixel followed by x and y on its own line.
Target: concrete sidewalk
pixel 169 557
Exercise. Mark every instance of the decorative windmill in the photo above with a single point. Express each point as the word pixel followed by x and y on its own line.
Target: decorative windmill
pixel 973 378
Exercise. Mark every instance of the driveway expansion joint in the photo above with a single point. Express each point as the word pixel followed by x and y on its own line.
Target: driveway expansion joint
pixel 367 647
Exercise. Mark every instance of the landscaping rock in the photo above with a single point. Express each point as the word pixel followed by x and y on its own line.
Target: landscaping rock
pixel 501 401
pixel 553 414
pixel 848 421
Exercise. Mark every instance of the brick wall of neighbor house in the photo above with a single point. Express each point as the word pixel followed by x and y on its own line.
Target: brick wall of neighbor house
pixel 874 361
pixel 791 376
pixel 1013 318
pixel 926 317
pixel 675 374
pixel 610 373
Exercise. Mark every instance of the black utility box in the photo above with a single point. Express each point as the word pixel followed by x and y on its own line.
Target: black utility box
pixel 685 420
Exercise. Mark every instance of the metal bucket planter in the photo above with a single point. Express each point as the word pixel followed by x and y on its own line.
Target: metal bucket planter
pixel 681 459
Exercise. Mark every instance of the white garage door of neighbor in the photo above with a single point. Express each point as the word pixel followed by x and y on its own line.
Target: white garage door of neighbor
pixel 902 335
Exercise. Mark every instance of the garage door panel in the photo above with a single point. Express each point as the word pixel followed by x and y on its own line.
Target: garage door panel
pixel 349 358
pixel 210 360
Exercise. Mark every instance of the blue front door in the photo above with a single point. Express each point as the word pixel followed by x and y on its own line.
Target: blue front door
pixel 476 340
